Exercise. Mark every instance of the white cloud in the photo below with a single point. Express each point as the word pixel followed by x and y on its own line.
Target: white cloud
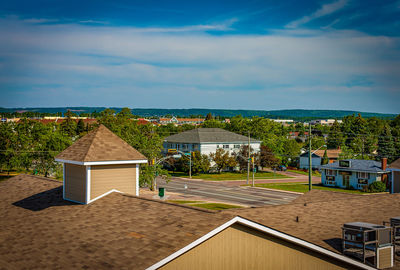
pixel 137 64
pixel 93 22
pixel 323 11
pixel 39 20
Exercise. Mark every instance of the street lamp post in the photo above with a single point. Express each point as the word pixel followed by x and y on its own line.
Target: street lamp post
pixel 253 171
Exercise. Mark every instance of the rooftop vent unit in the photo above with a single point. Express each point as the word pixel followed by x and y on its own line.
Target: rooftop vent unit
pixel 395 224
pixel 371 243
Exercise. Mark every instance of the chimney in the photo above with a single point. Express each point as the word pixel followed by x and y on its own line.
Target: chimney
pixel 384 163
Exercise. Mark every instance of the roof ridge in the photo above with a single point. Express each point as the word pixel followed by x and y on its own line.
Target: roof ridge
pixel 38 177
pixel 96 132
pixel 198 134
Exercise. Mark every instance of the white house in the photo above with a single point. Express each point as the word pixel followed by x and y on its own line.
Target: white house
pixel 317 156
pixel 315 161
pixel 208 140
pixel 325 122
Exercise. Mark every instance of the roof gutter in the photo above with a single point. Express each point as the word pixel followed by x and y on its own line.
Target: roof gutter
pixel 106 162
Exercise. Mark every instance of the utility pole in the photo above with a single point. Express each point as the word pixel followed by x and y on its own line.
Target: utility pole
pixel 309 159
pixel 248 161
pixel 252 159
pixel 190 165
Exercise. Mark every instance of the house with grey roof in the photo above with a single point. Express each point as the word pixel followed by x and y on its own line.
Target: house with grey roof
pixel 208 140
pixel 354 173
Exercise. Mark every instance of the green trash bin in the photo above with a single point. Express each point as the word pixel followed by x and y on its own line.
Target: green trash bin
pixel 161 192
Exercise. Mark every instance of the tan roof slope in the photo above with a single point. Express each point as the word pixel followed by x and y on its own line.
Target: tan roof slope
pixel 39 230
pixel 395 164
pixel 331 153
pixel 100 145
pixel 320 220
pixel 125 232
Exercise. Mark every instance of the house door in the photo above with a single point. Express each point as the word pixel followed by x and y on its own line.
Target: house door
pixel 346 181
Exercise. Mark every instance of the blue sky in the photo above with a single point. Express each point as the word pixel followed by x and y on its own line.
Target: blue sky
pixel 340 54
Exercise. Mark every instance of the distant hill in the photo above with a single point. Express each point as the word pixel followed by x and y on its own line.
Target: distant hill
pixel 274 114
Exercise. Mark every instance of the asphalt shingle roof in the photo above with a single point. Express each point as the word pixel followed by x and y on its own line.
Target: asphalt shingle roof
pixel 358 165
pixel 42 231
pixel 100 145
pixel 208 135
pixel 395 164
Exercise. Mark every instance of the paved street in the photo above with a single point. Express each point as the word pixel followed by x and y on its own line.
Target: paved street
pixel 227 193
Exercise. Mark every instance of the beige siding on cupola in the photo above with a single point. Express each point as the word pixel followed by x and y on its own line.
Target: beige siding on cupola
pixel 75 182
pixel 240 247
pixel 107 177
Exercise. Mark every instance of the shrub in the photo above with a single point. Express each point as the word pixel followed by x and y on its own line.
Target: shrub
pixel 377 187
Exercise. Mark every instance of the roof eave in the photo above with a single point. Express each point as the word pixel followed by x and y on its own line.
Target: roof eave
pixel 102 162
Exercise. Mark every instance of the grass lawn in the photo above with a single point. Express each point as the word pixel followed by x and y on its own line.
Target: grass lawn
pixel 230 176
pixel 303 187
pixel 216 206
pixel 209 206
pixel 182 201
pixel 314 173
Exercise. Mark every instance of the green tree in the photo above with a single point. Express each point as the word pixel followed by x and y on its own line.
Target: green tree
pixel 386 145
pixel 209 117
pixel 107 118
pixel 325 159
pixel 124 115
pixel 212 124
pixel 335 137
pixel 291 152
pixel 242 157
pixel 395 130
pixel 69 124
pixel 148 173
pixel 266 157
pixel 347 153
pixel 222 159
pixel 24 144
pixel 49 144
pixel 80 127
pixel 200 163
pixel 7 146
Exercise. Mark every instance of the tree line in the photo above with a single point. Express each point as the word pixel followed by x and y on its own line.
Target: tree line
pixel 31 146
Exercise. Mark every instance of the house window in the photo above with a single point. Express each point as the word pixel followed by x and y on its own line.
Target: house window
pixel 236 146
pixel 330 172
pixel 195 146
pixel 226 146
pixel 362 175
pixel 363 181
pixel 330 180
pixel 217 145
